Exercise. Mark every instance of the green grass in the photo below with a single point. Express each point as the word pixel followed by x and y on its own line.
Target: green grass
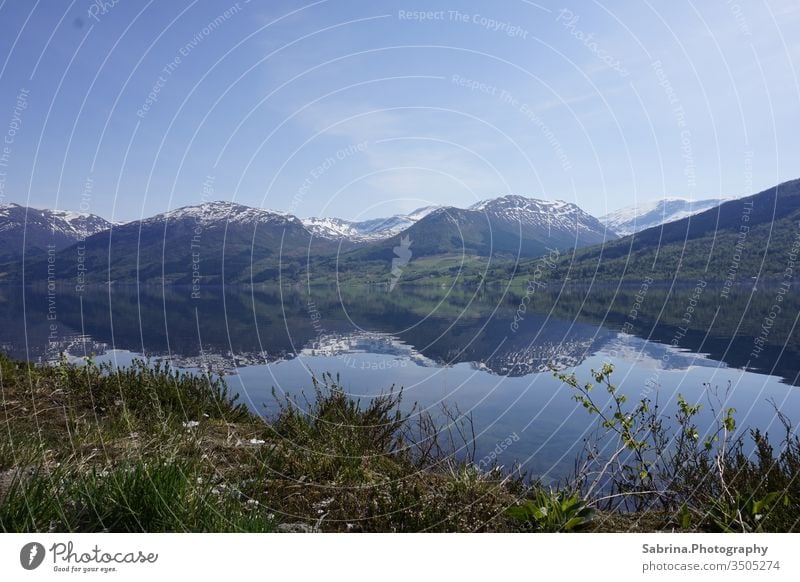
pixel 131 496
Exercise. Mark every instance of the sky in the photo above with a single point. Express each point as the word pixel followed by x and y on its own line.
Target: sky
pixel 361 109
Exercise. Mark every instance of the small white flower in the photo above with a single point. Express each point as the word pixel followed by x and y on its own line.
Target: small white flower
pixel 191 424
pixel 257 442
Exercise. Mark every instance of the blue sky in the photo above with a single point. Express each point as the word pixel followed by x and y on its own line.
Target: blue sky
pixel 361 109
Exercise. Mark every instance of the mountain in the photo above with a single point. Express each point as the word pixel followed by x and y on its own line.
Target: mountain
pixel 218 242
pixel 755 237
pixel 364 230
pixel 650 214
pixel 557 224
pixel 508 227
pixel 195 245
pixel 37 228
pixel 221 212
pixel 565 224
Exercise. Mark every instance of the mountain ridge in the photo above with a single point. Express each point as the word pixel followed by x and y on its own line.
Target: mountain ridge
pixel 741 239
pixel 373 229
pixel 227 242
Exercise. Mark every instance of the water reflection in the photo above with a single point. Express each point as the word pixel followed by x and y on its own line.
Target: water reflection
pixel 225 330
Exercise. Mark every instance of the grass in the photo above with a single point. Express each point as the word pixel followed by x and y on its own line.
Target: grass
pixel 92 448
pixel 95 448
pixel 148 449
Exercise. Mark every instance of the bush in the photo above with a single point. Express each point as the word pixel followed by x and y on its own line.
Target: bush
pixel 707 485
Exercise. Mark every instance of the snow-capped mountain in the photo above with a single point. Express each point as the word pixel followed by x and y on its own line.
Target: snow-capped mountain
pixel 64 222
pixel 207 243
pixel 39 228
pixel 365 230
pixel 504 224
pixel 512 226
pixel 564 222
pixel 646 215
pixel 220 211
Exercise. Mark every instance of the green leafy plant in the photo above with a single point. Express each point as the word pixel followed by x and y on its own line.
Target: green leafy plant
pixel 550 511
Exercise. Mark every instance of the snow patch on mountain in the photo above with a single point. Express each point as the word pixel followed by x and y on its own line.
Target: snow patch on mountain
pixel 373 229
pixel 223 211
pixel 642 216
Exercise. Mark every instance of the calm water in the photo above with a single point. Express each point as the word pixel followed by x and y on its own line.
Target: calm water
pixel 488 353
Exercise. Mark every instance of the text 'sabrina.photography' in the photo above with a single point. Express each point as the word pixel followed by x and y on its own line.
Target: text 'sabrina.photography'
pixel 399 267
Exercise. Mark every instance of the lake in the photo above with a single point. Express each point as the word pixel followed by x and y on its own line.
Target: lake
pixel 489 352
